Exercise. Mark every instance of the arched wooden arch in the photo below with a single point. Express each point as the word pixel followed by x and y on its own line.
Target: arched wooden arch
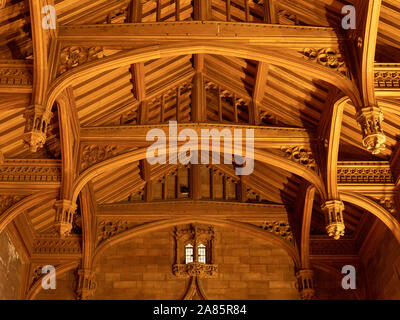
pixel 66 142
pixel 61 269
pixel 232 225
pixel 127 58
pixel 139 154
pixel 306 226
pixel 11 213
pixel 371 206
pixel 333 147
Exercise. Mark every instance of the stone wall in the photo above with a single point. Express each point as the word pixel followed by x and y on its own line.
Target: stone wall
pixel 382 268
pixel 249 268
pixel 10 269
pixel 65 288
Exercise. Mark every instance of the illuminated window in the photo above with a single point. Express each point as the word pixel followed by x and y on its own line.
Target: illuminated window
pixel 188 253
pixel 201 252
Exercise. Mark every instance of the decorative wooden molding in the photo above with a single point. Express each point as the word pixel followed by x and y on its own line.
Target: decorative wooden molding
pixel 51 245
pixel 364 172
pixel 387 76
pixel 32 170
pixel 16 76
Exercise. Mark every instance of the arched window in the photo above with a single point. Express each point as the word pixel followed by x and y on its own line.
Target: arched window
pixel 188 253
pixel 201 253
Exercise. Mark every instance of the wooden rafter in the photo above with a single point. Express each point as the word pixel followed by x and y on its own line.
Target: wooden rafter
pixel 40 70
pixel 245 33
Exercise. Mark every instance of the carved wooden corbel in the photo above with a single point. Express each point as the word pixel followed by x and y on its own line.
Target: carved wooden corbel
pixel 86 285
pixel 370 120
pixel 334 218
pixel 37 121
pixel 305 284
pixel 65 210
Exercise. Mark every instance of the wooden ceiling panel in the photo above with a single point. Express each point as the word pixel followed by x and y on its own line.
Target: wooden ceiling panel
pixel 15 31
pixel 112 91
pixel 388 41
pixel 77 12
pixel 162 73
pixel 12 127
pixel 315 12
pixel 294 99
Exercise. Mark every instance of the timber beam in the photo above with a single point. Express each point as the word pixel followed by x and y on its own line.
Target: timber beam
pixel 246 212
pixel 264 137
pixel 122 34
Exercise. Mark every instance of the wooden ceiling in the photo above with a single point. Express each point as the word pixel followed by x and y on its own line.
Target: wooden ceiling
pixel 288 98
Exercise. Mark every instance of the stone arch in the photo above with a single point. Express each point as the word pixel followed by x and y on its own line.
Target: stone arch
pixel 232 225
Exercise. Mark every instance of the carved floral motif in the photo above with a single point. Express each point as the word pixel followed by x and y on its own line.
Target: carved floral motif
pixel 279 228
pixel 351 174
pixel 388 204
pixel 72 57
pixel 300 155
pixel 195 269
pixel 108 229
pixel 328 57
pixel 93 154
